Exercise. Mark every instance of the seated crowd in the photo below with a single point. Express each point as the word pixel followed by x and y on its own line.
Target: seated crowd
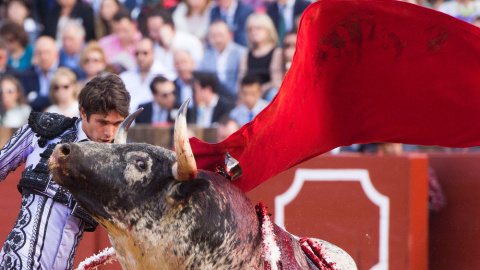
pixel 228 56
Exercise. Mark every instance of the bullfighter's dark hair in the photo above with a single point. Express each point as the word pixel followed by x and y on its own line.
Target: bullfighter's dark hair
pixel 250 79
pixel 155 81
pixel 103 94
pixel 162 13
pixel 11 30
pixel 207 79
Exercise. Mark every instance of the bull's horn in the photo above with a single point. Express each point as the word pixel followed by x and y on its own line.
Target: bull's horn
pixel 185 168
pixel 121 135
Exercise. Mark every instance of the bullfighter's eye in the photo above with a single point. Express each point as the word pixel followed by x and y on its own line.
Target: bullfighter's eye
pixel 141 164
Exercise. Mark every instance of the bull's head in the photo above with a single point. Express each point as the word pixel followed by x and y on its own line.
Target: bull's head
pixel 110 180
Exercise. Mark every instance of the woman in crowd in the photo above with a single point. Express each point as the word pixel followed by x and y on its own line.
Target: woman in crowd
pixel 69 9
pixel 93 61
pixel 19 51
pixel 193 17
pixel 63 93
pixel 264 58
pixel 103 21
pixel 19 12
pixel 14 111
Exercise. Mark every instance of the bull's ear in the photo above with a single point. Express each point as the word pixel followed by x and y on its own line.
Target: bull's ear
pixel 183 190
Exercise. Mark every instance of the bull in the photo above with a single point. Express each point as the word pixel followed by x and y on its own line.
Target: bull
pixel 162 213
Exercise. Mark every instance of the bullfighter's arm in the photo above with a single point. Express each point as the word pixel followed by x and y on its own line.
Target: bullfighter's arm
pixel 16 151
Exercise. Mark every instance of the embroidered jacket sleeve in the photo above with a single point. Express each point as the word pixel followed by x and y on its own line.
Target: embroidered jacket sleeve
pixel 16 151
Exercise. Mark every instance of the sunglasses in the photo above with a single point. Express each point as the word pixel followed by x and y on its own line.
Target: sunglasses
pixel 64 87
pixel 92 60
pixel 165 95
pixel 8 91
pixel 137 53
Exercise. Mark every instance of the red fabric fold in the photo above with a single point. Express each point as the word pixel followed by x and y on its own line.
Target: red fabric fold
pixel 364 71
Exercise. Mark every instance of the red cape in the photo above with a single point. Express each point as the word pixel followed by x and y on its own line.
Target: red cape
pixel 364 71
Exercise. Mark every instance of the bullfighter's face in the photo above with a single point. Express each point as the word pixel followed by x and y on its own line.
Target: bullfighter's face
pixel 101 128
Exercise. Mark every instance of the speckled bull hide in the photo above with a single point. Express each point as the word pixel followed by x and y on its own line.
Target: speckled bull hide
pixel 158 219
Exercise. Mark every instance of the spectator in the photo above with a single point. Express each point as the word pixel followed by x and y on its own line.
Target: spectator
pixel 184 67
pixel 119 47
pixel 250 96
pixel 36 79
pixel 93 61
pixel 223 57
pixel 20 52
pixel 50 223
pixel 4 68
pixel 226 127
pixel 41 10
pixel 284 13
pixel 138 81
pixel 63 93
pixel 13 110
pixel 288 50
pixel 69 9
pixel 235 14
pixel 147 9
pixel 465 10
pixel 476 21
pixel 161 30
pixel 193 17
pixel 73 36
pixel 264 59
pixel 104 19
pixel 210 106
pixel 159 111
pixel 19 12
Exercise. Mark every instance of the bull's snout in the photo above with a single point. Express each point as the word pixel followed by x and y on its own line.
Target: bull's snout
pixel 64 149
pixel 61 152
pixel 59 161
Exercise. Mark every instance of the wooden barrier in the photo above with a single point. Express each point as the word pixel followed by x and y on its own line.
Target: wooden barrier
pixel 375 208
pixel 455 231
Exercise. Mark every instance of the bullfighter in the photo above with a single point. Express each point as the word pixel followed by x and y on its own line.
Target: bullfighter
pixel 50 225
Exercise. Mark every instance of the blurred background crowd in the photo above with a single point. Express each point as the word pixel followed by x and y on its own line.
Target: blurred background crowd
pixel 229 56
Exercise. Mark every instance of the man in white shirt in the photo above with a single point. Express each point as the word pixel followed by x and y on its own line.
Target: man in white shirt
pixel 184 67
pixel 160 111
pixel 161 30
pixel 138 81
pixel 250 96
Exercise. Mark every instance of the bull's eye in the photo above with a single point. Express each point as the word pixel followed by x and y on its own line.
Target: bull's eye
pixel 141 164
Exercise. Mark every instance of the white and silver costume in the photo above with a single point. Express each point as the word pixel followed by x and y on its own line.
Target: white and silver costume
pixel 49 226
